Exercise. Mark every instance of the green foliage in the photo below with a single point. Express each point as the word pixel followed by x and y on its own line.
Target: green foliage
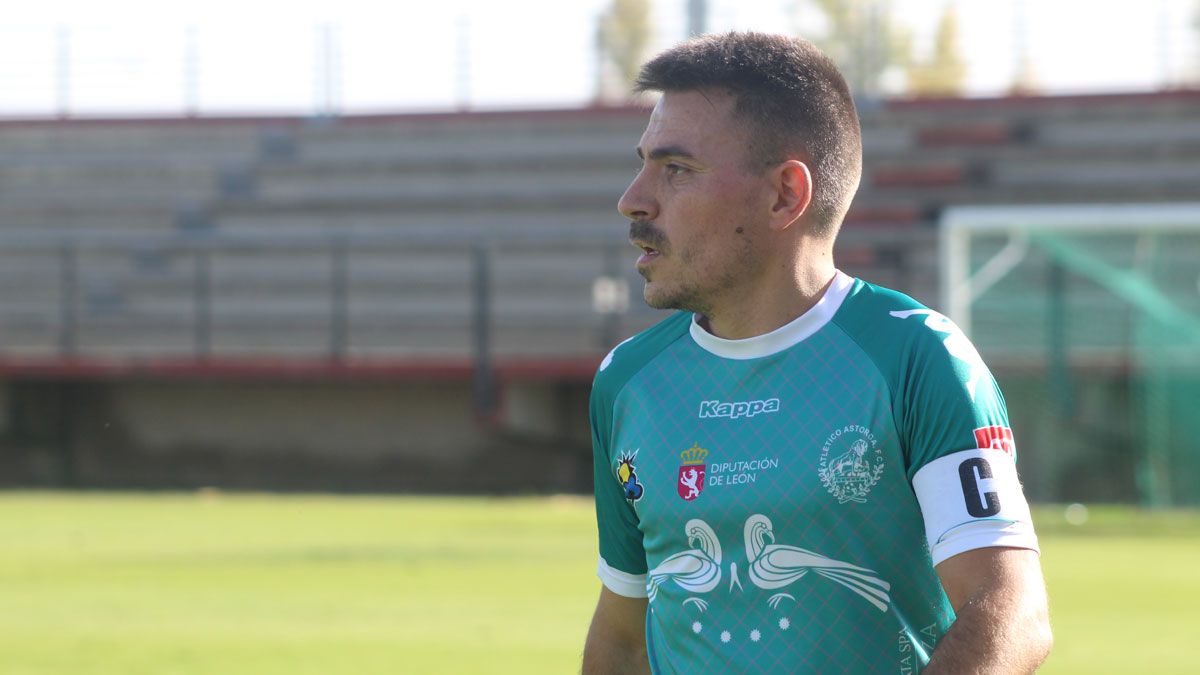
pixel 211 583
pixel 861 36
pixel 944 73
pixel 1196 37
pixel 623 38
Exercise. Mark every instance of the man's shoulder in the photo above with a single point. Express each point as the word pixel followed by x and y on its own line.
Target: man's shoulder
pixel 872 310
pixel 628 358
pixel 895 330
pixel 905 338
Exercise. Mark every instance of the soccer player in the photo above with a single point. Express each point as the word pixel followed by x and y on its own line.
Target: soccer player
pixel 800 471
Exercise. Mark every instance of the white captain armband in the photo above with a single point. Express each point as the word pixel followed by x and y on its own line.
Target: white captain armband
pixel 622 583
pixel 972 499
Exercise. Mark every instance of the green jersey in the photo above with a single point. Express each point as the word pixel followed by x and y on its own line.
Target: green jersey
pixel 782 500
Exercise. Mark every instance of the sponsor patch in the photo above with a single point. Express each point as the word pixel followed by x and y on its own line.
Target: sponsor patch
pixel 691 472
pixel 996 437
pixel 627 475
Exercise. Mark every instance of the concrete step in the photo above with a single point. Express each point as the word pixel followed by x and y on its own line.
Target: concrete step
pixel 463 222
pixel 511 185
pixel 574 123
pixel 495 148
pixel 128 137
pixel 916 113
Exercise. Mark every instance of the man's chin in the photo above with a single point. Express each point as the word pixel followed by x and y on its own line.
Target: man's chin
pixel 658 297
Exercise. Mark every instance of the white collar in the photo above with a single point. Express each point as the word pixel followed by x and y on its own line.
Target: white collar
pixel 783 337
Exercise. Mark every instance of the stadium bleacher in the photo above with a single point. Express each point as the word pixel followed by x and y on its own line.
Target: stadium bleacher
pixel 545 177
pixel 264 246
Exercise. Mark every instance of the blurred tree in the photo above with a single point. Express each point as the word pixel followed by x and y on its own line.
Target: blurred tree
pixel 1025 81
pixel 623 34
pixel 945 71
pixel 861 36
pixel 1025 78
pixel 1195 66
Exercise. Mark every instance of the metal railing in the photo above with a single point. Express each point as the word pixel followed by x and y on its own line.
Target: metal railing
pixel 194 263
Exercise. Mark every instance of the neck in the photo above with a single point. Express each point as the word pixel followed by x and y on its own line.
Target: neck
pixel 773 303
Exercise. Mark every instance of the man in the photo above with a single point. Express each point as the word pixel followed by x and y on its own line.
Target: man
pixel 800 472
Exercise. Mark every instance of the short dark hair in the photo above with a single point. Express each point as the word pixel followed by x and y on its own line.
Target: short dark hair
pixel 794 97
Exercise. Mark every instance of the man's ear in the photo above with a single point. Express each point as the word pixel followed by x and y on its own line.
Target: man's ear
pixel 793 185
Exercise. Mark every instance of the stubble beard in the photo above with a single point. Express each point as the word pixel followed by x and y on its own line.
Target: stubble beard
pixel 694 295
pixel 683 297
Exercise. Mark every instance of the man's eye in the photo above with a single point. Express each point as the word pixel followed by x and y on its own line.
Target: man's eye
pixel 675 169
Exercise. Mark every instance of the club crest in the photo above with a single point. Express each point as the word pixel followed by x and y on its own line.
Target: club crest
pixel 691 473
pixel 851 463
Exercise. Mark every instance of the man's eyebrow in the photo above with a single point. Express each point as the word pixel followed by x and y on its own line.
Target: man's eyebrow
pixel 666 151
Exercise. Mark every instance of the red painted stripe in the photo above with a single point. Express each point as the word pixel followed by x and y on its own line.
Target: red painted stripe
pixel 918 176
pixel 580 368
pixel 974 134
pixel 1005 102
pixel 591 112
pixel 899 104
pixel 884 215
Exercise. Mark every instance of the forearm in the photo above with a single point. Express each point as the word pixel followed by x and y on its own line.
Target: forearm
pixel 997 631
pixel 616 643
pixel 601 659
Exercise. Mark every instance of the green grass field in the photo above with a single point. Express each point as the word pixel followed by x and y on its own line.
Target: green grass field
pixel 213 583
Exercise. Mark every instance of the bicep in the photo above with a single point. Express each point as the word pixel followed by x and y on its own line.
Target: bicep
pixel 1011 575
pixel 616 640
pixel 620 617
pixel 1003 618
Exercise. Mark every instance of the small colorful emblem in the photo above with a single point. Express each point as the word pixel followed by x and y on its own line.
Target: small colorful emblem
pixel 691 472
pixel 996 437
pixel 628 477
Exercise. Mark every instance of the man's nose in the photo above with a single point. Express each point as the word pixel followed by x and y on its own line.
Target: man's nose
pixel 638 202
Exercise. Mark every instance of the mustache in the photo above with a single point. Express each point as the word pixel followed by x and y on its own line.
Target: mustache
pixel 642 230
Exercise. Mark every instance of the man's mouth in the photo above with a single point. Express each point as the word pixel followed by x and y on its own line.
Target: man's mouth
pixel 649 253
pixel 643 235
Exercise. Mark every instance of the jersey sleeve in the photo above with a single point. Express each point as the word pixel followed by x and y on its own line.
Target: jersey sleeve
pixel 622 565
pixel 959 448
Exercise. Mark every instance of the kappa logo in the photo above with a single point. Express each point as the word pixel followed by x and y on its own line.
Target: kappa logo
pixel 738 409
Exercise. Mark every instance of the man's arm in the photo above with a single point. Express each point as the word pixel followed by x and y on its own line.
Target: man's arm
pixel 1003 623
pixel 616 642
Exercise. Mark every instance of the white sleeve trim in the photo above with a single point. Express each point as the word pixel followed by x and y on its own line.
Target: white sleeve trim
pixel 984 534
pixel 622 583
pixel 998 513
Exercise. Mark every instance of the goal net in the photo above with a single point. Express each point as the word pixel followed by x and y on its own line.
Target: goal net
pixel 1089 315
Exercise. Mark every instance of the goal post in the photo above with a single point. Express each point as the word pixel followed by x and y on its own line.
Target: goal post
pixel 1093 311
